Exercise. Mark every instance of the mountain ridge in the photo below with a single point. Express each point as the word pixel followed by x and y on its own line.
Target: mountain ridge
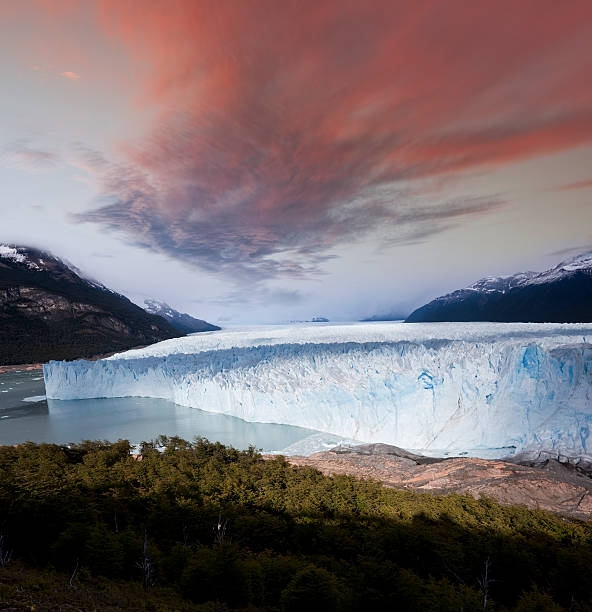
pixel 49 311
pixel 562 294
pixel 181 321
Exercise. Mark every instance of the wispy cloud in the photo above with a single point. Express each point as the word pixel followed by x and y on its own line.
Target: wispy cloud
pixel 232 236
pixel 576 185
pixel 312 126
pixel 583 248
pixel 25 156
pixel 72 76
pixel 259 295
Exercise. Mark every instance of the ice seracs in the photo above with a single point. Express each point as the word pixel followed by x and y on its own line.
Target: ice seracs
pixel 435 387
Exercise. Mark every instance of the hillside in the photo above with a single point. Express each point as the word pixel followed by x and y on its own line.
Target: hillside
pixel 49 311
pixel 213 524
pixel 562 294
pixel 546 484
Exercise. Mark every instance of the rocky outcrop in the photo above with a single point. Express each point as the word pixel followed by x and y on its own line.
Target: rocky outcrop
pixel 50 307
pixel 549 486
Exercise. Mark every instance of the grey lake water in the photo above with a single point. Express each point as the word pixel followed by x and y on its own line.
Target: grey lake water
pixel 25 415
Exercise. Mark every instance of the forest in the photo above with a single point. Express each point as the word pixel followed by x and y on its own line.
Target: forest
pixel 178 525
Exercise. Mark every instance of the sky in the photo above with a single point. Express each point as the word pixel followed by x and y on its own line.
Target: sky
pixel 262 161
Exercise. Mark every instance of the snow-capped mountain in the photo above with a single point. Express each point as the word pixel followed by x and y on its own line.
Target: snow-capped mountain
pixel 562 294
pixel 38 260
pixel 49 311
pixel 181 321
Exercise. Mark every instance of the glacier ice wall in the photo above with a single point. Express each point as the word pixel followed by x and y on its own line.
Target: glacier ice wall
pixel 424 386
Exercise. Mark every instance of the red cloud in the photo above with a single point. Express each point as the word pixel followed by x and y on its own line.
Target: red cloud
pixel 577 185
pixel 287 122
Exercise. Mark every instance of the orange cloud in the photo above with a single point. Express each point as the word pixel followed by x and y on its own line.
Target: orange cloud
pixel 578 185
pixel 292 124
pixel 70 75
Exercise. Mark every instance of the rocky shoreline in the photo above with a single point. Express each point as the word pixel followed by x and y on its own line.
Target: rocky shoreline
pixel 549 485
pixel 27 367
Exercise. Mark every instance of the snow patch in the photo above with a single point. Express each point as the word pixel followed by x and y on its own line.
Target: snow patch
pixel 8 252
pixel 492 284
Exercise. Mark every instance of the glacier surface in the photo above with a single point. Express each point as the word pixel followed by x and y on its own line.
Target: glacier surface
pixel 439 388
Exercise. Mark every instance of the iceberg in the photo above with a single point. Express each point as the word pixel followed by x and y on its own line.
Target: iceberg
pixel 434 387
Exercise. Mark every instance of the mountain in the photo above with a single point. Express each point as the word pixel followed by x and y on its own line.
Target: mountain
pixel 562 294
pixel 49 311
pixel 182 322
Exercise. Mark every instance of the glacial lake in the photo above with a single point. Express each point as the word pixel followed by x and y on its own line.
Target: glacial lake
pixel 25 415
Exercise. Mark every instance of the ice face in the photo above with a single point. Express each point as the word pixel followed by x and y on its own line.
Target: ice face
pixel 434 386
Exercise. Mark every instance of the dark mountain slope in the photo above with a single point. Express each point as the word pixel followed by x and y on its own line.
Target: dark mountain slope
pixel 560 295
pixel 48 311
pixel 182 322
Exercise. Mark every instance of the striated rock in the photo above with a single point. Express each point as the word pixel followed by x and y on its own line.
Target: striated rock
pixel 551 486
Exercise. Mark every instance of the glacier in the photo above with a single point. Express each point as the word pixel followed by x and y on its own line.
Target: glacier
pixel 437 388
